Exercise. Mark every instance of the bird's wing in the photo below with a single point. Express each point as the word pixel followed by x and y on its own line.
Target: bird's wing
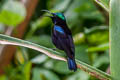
pixel 66 42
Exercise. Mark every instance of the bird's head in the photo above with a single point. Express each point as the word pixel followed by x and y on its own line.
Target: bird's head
pixel 57 18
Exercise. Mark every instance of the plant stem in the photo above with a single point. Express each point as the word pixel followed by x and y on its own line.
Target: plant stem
pixel 55 55
pixel 103 4
pixel 115 38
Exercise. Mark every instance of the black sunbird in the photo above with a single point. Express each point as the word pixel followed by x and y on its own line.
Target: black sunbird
pixel 62 38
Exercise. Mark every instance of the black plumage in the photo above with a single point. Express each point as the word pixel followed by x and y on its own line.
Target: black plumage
pixel 62 38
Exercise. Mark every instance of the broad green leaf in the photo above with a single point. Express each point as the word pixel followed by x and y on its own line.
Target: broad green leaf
pixel 12 13
pixel 114 30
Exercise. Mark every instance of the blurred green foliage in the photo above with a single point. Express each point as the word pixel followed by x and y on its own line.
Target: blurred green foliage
pixel 104 4
pixel 90 33
pixel 12 13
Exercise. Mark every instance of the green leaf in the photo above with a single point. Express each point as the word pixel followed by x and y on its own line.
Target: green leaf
pixel 79 38
pixel 103 59
pixel 61 67
pixel 96 29
pixel 62 6
pixel 19 58
pixel 39 23
pixel 80 75
pixel 115 39
pixel 49 64
pixel 82 54
pixel 79 11
pixel 12 13
pixel 91 70
pixel 3 77
pixel 101 47
pixel 42 74
pixel 27 70
pixel 97 37
pixel 2 28
pixel 53 54
pixel 43 40
pixel 104 4
pixel 21 72
pixel 39 59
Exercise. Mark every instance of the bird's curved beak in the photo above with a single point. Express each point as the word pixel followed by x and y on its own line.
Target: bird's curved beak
pixel 51 16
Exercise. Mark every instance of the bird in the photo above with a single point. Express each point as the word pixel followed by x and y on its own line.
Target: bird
pixel 62 38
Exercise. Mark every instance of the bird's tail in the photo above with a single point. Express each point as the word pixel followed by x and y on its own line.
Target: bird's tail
pixel 71 64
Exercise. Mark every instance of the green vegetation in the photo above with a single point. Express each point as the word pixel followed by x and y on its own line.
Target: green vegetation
pixel 88 21
pixel 114 39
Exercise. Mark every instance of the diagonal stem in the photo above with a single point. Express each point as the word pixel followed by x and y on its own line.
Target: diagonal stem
pixel 6 40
